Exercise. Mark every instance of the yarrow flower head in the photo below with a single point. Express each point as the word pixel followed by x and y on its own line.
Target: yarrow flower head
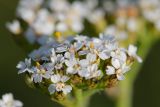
pixel 43 18
pixel 82 63
pixel 150 11
pixel 8 101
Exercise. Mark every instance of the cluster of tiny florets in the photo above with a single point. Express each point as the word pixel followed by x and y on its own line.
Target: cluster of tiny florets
pixel 80 62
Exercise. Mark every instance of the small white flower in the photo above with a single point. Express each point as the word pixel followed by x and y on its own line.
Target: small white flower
pixel 132 24
pixel 59 84
pixel 59 5
pixel 29 15
pixel 119 71
pixel 61 27
pixel 119 54
pixel 90 71
pixel 24 66
pixel 40 72
pixel 77 26
pixel 29 7
pixel 132 51
pixel 14 27
pixel 96 16
pixel 93 71
pixel 43 25
pixel 8 101
pixel 72 66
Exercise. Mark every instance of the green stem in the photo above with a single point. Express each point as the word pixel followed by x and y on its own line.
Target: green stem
pixel 80 99
pixel 125 99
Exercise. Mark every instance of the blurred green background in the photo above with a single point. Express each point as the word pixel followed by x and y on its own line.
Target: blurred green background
pixel 147 85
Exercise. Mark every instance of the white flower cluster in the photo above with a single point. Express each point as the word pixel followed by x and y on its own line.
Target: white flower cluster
pixel 126 21
pixel 150 11
pixel 88 59
pixel 44 17
pixel 8 101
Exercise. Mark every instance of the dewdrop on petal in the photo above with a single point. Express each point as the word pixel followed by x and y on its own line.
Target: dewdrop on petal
pixel 60 69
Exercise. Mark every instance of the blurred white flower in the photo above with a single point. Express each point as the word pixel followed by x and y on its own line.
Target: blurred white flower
pixel 14 27
pixel 150 10
pixel 44 24
pixel 44 18
pixel 8 101
pixel 132 24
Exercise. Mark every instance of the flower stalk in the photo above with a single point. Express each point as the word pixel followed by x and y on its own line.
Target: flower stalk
pixel 81 99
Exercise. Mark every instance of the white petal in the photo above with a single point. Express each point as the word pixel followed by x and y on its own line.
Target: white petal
pixel 18 103
pixel 70 70
pixel 125 68
pixel 84 63
pixel 120 77
pixel 132 50
pixel 61 27
pixel 52 88
pixel 7 97
pixel 83 73
pixel 37 78
pixel 103 55
pixel 84 52
pixel 53 53
pixel 55 78
pixel 14 27
pixel 123 56
pixel 68 63
pixel 139 59
pixel 116 63
pixel 21 65
pixel 61 49
pixel 110 70
pixel 67 55
pixel 67 89
pixel 91 57
pixel 64 78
